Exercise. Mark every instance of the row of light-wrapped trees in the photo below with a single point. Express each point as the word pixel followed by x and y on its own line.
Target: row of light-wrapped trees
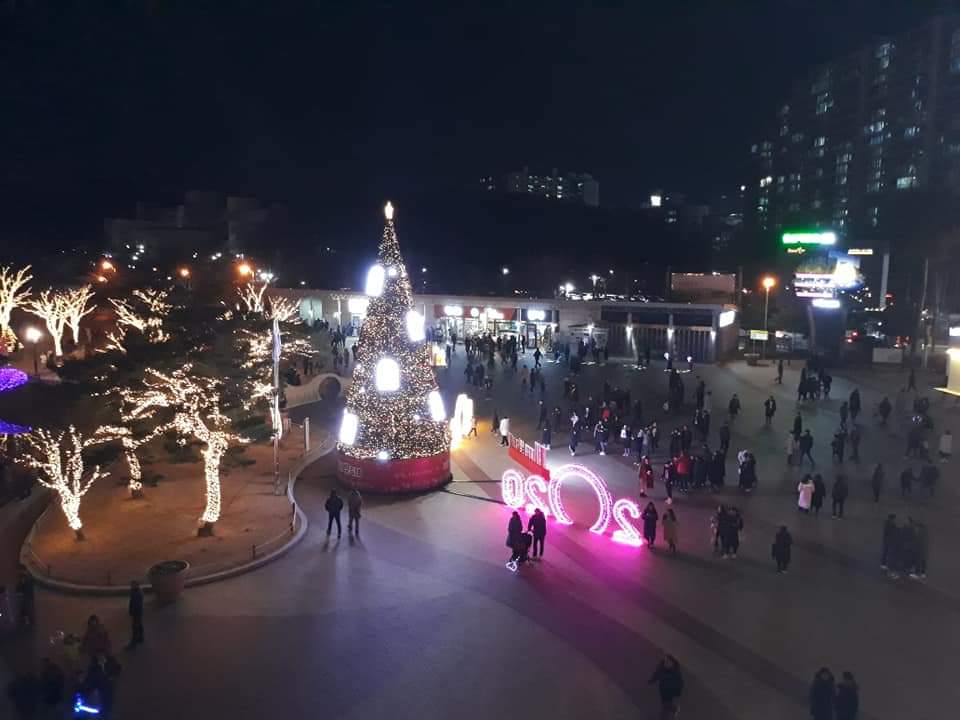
pixel 179 366
pixel 60 309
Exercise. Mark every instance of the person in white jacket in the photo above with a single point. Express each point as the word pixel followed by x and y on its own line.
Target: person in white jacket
pixel 805 494
pixel 946 445
pixel 504 430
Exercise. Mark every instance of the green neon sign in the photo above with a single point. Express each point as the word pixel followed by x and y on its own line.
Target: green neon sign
pixel 810 238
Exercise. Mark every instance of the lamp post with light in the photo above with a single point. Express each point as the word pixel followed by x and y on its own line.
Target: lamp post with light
pixel 33 336
pixel 768 282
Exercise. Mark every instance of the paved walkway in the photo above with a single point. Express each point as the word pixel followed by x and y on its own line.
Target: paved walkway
pixel 420 619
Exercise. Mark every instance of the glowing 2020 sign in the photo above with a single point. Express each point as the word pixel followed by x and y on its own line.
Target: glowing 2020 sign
pixel 515 489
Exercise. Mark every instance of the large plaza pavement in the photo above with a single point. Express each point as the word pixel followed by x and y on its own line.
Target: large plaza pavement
pixel 420 619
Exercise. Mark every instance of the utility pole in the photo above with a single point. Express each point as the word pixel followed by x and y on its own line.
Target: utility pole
pixel 923 302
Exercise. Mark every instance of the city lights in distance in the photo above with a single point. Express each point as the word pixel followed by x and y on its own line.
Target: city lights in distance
pixel 726 318
pixel 388 375
pixel 348 428
pixel 826 303
pixel 375 280
pixel 810 238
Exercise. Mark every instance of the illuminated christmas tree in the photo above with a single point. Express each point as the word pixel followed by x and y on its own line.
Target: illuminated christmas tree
pixel 393 436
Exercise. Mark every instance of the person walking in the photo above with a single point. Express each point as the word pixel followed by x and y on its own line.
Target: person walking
pixel 354 503
pixel 839 494
pixel 514 531
pixel 645 476
pixel 876 482
pixel 333 506
pixel 734 407
pixel 725 438
pixel 546 436
pixel 855 443
pixel 854 405
pixel 769 409
pixel 819 493
pixel 946 445
pixel 27 614
pixel 537 526
pixel 731 525
pixel 805 494
pixel 844 413
pixel 135 610
pixel 669 681
pixel 797 425
pixel 906 482
pixel 847 702
pixel 884 409
pixel 650 517
pixel 542 417
pixel 669 523
pixel 495 422
pixel 780 550
pixel 822 695
pixel 806 448
pixel 780 371
pixel 504 431
pixel 912 381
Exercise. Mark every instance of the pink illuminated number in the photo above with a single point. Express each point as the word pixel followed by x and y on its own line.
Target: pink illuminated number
pixel 536 488
pixel 594 481
pixel 511 489
pixel 627 534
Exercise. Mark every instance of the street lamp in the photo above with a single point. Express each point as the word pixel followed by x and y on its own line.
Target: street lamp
pixel 244 269
pixel 184 272
pixel 107 265
pixel 33 336
pixel 505 270
pixel 768 282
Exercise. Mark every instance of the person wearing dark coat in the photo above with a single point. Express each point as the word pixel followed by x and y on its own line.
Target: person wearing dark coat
pixel 650 517
pixel 333 506
pixel 806 447
pixel 546 436
pixel 514 531
pixel 797 426
pixel 135 610
pixel 538 528
pixel 780 549
pixel 839 494
pixel 669 682
pixel 819 493
pixel 822 695
pixel 854 405
pixel 847 702
pixel 354 506
pixel 876 482
pixel 717 470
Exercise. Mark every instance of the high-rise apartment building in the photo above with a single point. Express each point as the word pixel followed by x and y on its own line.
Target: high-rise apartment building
pixel 856 131
pixel 578 187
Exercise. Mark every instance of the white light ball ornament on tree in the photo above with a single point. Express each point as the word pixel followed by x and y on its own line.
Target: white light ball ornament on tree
pixel 394 437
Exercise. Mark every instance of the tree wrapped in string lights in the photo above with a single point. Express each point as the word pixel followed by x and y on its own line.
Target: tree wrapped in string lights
pixel 393 436
pixel 53 308
pixel 14 292
pixel 196 415
pixel 58 460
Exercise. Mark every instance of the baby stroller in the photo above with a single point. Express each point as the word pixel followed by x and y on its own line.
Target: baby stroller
pixel 521 551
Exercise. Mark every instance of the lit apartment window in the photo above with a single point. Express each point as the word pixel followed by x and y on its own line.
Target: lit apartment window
pixel 874 186
pixel 911 132
pixel 906 182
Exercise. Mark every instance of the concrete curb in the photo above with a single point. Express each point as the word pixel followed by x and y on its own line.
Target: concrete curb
pixel 69 588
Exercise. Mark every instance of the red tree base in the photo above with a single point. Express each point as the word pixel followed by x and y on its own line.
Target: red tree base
pixel 394 476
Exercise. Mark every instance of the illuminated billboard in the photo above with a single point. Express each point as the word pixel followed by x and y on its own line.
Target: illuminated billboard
pixel 810 238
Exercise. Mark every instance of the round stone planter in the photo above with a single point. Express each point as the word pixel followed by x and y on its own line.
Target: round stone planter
pixel 168 579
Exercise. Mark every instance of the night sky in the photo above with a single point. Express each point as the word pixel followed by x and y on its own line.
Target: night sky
pixel 322 104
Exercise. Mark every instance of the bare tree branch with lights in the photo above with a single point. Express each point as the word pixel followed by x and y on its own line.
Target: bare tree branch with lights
pixel 51 307
pixel 195 402
pixel 14 292
pixel 251 297
pixel 283 309
pixel 58 460
pixel 77 305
